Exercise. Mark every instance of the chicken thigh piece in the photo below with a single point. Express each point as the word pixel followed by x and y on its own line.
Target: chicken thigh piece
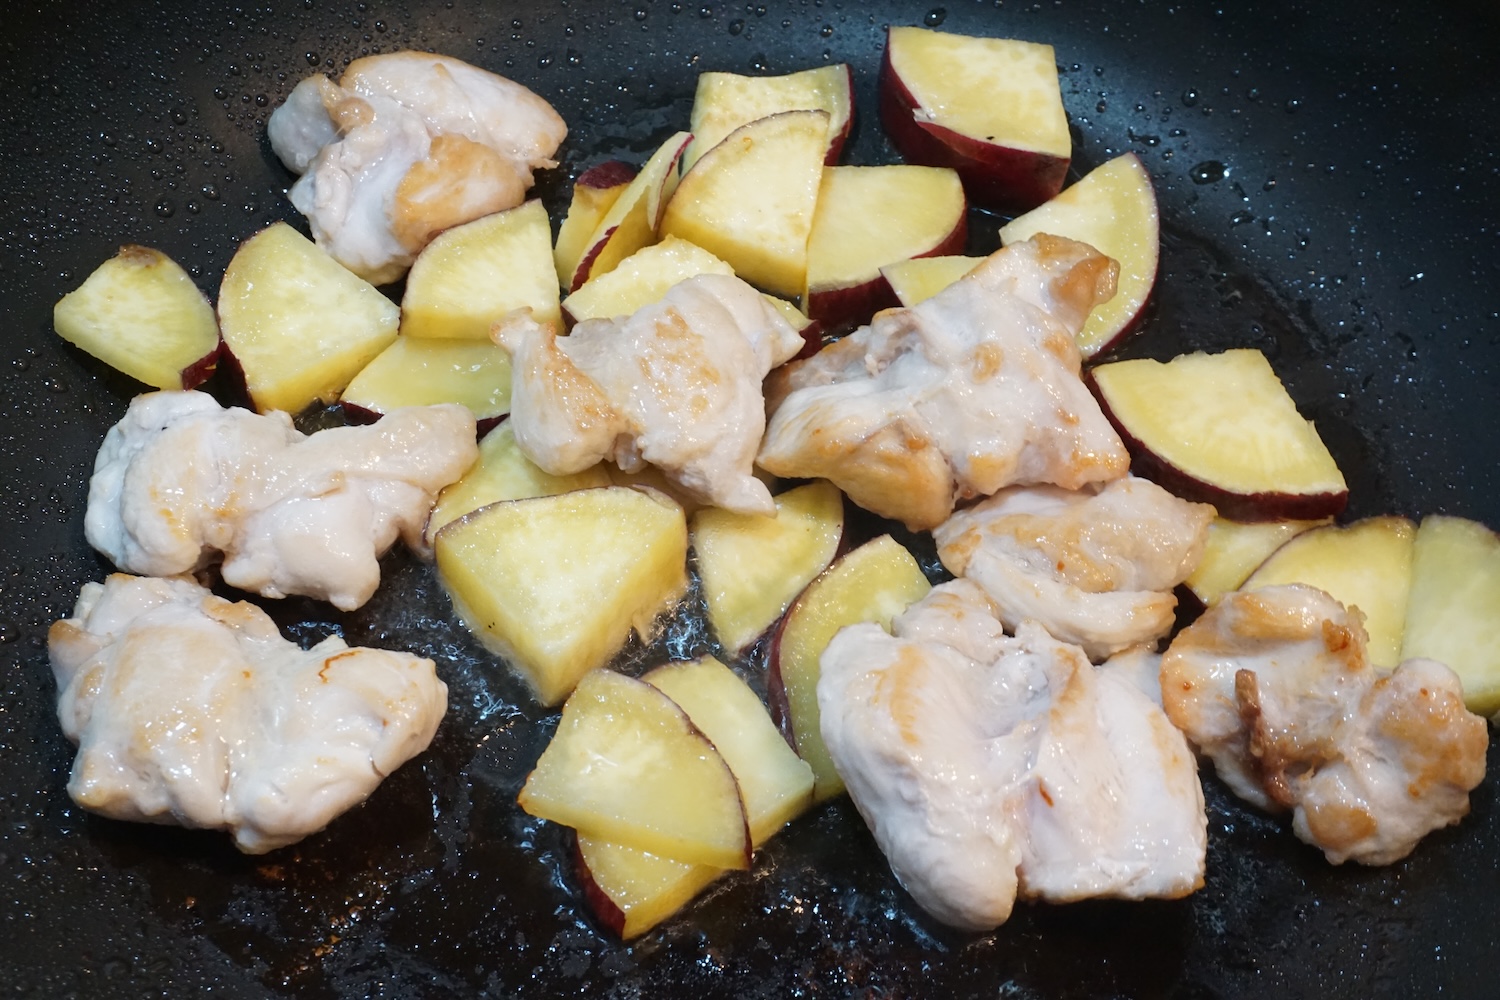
pixel 989 767
pixel 455 98
pixel 190 709
pixel 180 482
pixel 972 390
pixel 406 145
pixel 1095 567
pixel 676 385
pixel 1275 687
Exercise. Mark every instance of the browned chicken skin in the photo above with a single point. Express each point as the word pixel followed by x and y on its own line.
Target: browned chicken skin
pixel 972 390
pixel 1275 686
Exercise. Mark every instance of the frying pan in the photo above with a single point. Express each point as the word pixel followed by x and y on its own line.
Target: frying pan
pixel 1326 174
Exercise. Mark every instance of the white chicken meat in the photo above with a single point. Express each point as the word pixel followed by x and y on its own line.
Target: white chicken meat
pixel 989 767
pixel 676 385
pixel 970 391
pixel 1095 567
pixel 190 709
pixel 1275 686
pixel 180 482
pixel 406 145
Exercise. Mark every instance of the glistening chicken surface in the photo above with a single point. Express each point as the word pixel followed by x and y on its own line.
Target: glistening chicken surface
pixel 970 391
pixel 990 767
pixel 404 146
pixel 1275 686
pixel 193 710
pixel 181 481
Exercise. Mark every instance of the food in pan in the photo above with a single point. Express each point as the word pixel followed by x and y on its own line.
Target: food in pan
pixel 594 194
pixel 1451 611
pixel 1095 569
pixel 1366 565
pixel 631 220
pixel 554 571
pixel 868 217
pixel 921 278
pixel 297 326
pixel 140 313
pixel 646 276
pixel 752 566
pixel 1112 209
pixel 1222 429
pixel 423 371
pixel 723 102
pixel 989 107
pixel 473 274
pixel 990 767
pixel 873 583
pixel 406 145
pixel 556 584
pixel 1233 551
pixel 630 889
pixel 676 385
pixel 750 200
pixel 640 279
pixel 193 710
pixel 181 482
pixel 627 765
pixel 972 390
pixel 1276 688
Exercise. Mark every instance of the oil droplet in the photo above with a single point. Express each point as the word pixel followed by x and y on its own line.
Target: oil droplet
pixel 1208 172
pixel 641 13
pixel 826 31
pixel 1269 185
pixel 311 57
pixel 935 17
pixel 1189 98
pixel 8 632
pixel 1292 106
pixel 705 12
pixel 736 26
pixel 210 192
pixel 55 385
pixel 165 208
pixel 1240 218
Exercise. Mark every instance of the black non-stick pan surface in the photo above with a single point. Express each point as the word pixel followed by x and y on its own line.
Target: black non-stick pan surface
pixel 1327 175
